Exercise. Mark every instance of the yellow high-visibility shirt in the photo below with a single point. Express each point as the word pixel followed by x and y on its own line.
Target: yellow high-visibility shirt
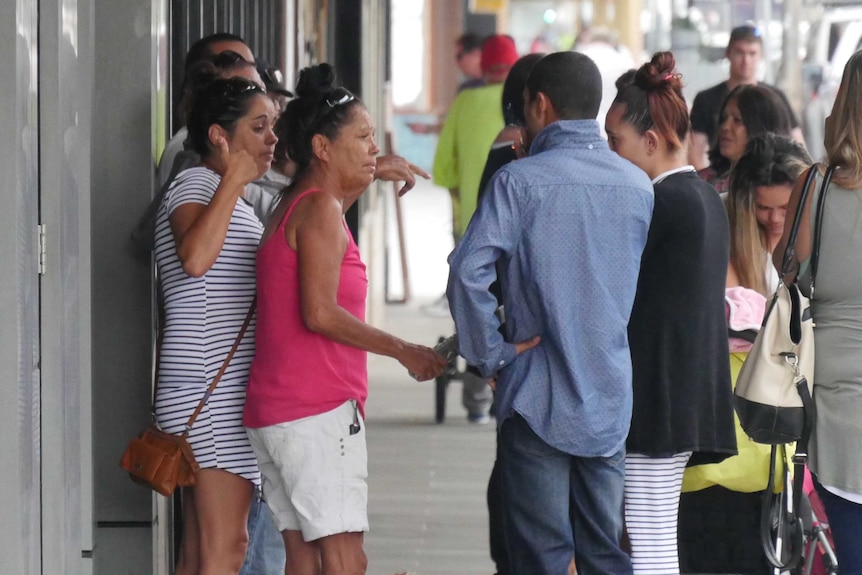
pixel 471 126
pixel 746 472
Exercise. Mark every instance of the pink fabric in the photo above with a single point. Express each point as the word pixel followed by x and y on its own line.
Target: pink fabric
pixel 745 310
pixel 297 373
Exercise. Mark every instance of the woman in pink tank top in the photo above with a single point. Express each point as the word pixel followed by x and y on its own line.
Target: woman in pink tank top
pixel 308 382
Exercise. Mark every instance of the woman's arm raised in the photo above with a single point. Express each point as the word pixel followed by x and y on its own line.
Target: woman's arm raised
pixel 200 230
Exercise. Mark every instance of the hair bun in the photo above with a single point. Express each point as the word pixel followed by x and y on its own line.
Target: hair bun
pixel 315 80
pixel 659 73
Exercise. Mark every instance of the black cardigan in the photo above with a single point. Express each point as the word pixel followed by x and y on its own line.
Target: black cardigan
pixel 678 328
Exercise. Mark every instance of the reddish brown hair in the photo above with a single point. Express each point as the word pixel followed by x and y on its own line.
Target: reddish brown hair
pixel 653 98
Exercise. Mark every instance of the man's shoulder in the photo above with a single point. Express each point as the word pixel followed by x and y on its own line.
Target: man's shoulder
pixel 716 92
pixel 561 165
pixel 778 91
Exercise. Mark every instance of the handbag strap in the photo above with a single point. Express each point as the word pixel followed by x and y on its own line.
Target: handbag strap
pixel 223 368
pixel 787 263
pixel 818 225
pixel 160 321
pixel 776 520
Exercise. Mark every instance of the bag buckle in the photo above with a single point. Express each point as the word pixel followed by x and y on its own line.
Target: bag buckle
pixel 799 458
pixel 792 360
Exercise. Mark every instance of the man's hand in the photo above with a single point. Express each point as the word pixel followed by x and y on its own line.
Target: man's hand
pixel 519 348
pixel 392 168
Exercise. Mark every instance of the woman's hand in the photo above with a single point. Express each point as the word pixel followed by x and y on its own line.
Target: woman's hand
pixel 394 168
pixel 422 363
pixel 239 167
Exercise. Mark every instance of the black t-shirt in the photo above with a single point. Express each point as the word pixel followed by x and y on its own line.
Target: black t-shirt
pixel 707 105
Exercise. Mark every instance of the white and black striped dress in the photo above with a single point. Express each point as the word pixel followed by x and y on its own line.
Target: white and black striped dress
pixel 202 319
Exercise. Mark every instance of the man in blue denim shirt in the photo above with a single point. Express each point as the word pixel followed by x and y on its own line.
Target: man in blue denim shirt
pixel 568 225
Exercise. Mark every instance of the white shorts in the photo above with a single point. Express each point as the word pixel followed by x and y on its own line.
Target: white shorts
pixel 314 472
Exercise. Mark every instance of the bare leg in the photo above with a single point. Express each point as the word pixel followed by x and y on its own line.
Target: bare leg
pixel 222 502
pixel 189 559
pixel 302 558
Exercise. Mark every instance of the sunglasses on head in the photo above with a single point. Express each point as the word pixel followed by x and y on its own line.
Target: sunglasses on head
pixel 338 97
pixel 745 30
pixel 272 77
pixel 237 87
pixel 229 59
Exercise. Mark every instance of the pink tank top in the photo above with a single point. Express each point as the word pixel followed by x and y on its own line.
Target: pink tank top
pixel 297 373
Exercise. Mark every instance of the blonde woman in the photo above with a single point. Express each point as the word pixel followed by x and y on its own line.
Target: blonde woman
pixel 759 190
pixel 836 444
pixel 719 515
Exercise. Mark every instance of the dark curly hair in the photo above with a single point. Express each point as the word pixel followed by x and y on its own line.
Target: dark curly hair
pixel 222 102
pixel 320 107
pixel 513 89
pixel 762 111
pixel 653 98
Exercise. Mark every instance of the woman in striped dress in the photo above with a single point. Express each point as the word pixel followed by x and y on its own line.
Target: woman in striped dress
pixel 206 239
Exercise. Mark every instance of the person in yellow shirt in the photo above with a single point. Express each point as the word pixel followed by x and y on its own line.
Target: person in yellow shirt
pixel 473 122
pixel 472 125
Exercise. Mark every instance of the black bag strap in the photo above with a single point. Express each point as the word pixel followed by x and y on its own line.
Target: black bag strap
pixel 776 520
pixel 787 264
pixel 215 380
pixel 818 225
pixel 223 368
pixel 774 515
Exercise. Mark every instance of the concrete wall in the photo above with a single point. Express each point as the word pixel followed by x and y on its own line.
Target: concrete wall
pixel 20 406
pixel 122 176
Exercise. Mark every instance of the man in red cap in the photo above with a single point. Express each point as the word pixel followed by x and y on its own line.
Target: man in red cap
pixel 472 125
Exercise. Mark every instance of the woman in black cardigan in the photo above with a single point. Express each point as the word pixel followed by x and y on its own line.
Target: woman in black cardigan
pixel 682 407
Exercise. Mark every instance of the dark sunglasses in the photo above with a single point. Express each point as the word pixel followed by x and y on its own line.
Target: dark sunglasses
pixel 272 77
pixel 338 97
pixel 229 59
pixel 238 86
pixel 745 30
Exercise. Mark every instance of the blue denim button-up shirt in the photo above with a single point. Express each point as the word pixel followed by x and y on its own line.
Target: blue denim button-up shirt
pixel 568 225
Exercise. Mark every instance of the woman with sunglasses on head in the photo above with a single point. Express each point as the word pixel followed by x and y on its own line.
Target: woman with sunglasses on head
pixel 206 239
pixel 677 331
pixel 308 383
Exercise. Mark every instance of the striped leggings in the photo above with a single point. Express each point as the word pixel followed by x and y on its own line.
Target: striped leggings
pixel 652 490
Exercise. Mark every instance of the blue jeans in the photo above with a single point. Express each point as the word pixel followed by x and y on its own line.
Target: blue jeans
pixel 845 521
pixel 559 506
pixel 265 546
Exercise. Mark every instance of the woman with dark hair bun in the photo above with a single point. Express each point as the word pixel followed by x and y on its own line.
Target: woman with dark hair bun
pixel 206 239
pixel 747 112
pixel 308 384
pixel 682 407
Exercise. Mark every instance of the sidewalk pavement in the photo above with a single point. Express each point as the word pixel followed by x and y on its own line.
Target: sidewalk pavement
pixel 426 482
